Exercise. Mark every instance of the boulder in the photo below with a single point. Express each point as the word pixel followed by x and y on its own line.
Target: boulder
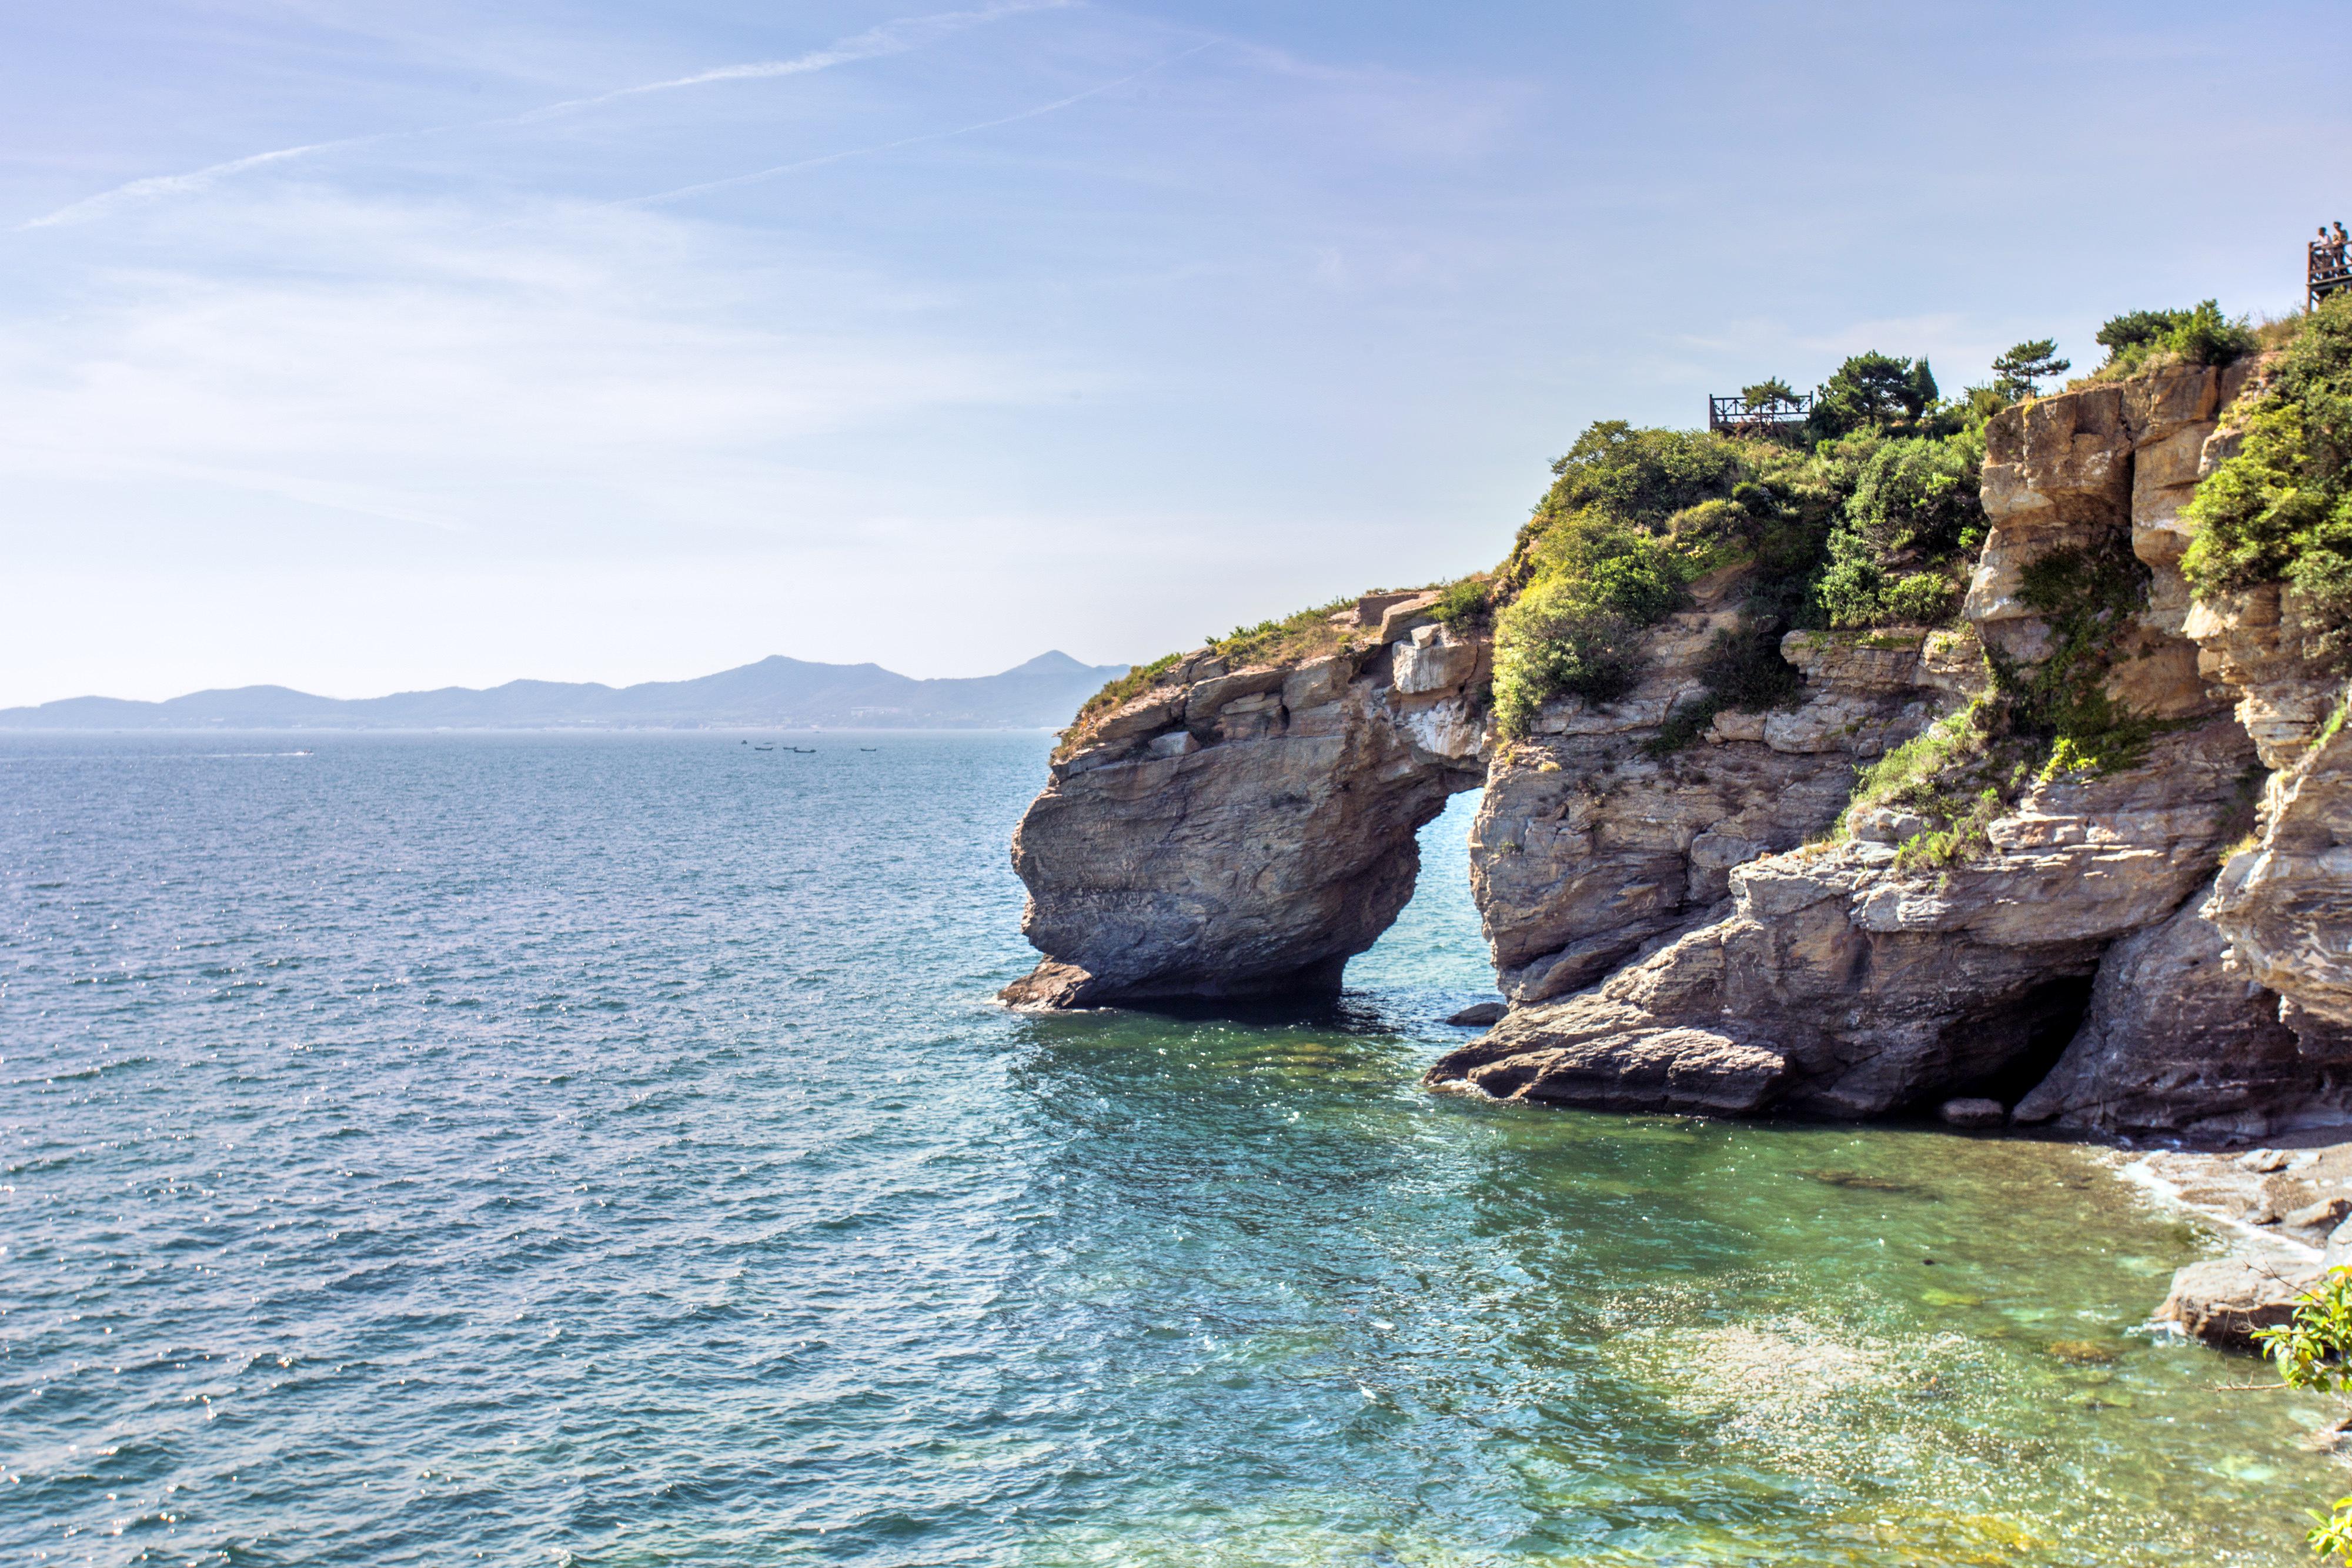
pixel 2325 1215
pixel 1478 1014
pixel 1436 659
pixel 2224 1301
pixel 1403 617
pixel 1971 1112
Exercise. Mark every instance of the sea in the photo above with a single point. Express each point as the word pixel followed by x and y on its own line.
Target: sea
pixel 603 1149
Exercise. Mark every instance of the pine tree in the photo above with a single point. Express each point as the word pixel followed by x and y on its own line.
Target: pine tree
pixel 2019 373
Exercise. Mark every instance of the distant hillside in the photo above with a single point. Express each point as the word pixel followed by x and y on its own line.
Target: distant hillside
pixel 775 692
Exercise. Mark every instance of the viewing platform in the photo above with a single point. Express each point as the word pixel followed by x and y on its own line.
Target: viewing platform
pixel 1735 415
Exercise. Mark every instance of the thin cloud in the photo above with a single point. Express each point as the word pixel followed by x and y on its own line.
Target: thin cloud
pixel 879 147
pixel 890 38
pixel 185 185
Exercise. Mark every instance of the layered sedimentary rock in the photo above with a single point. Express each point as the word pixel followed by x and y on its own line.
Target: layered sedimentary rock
pixel 2286 904
pixel 1838 983
pixel 1588 844
pixel 1670 927
pixel 1244 830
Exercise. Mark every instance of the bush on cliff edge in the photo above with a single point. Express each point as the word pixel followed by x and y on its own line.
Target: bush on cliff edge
pixel 2281 510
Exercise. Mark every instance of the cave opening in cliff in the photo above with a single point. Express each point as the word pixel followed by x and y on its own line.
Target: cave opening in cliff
pixel 2028 1035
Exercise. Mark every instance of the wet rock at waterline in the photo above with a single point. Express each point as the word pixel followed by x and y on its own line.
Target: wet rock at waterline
pixel 2224 1301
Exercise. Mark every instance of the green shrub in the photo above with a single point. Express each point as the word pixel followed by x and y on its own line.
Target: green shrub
pixel 1467 602
pixel 1961 836
pixel 1641 475
pixel 1598 582
pixel 1552 641
pixel 1922 495
pixel 1922 599
pixel 2200 335
pixel 2088 597
pixel 1903 536
pixel 2312 1350
pixel 1639 478
pixel 2281 509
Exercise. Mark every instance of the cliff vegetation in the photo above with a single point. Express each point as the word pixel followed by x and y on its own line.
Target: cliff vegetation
pixel 2280 509
pixel 1865 515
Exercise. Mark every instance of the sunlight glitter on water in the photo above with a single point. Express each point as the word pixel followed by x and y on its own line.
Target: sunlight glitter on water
pixel 601 1147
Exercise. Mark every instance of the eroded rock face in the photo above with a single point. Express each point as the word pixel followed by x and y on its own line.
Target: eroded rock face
pixel 1587 846
pixel 1837 983
pixel 1668 944
pixel 2285 906
pixel 2178 1041
pixel 1239 832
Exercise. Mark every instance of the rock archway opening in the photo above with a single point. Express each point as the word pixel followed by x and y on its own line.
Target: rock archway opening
pixel 1434 953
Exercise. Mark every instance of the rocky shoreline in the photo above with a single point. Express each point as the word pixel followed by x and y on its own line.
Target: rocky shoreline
pixel 2286 1213
pixel 2136 933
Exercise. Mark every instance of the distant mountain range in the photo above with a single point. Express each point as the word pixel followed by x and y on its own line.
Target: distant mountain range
pixel 775 692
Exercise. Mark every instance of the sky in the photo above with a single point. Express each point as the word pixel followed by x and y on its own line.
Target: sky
pixel 364 348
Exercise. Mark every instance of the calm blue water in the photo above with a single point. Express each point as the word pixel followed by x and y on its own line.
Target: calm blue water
pixel 602 1150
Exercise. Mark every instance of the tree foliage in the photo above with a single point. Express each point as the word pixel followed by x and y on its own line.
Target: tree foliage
pixel 2021 368
pixel 2313 1350
pixel 2200 335
pixel 1874 389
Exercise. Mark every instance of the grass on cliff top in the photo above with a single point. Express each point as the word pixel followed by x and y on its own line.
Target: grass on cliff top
pixel 1294 639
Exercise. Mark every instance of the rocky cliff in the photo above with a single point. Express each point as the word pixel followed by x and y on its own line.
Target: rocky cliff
pixel 1236 830
pixel 1724 924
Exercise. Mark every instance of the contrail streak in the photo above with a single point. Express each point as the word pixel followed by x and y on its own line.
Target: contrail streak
pixel 733 180
pixel 890 38
pixel 180 184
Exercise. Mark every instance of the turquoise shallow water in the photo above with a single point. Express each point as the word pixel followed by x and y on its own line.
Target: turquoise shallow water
pixel 600 1149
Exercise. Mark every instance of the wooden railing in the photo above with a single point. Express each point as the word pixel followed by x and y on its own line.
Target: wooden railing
pixel 1737 415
